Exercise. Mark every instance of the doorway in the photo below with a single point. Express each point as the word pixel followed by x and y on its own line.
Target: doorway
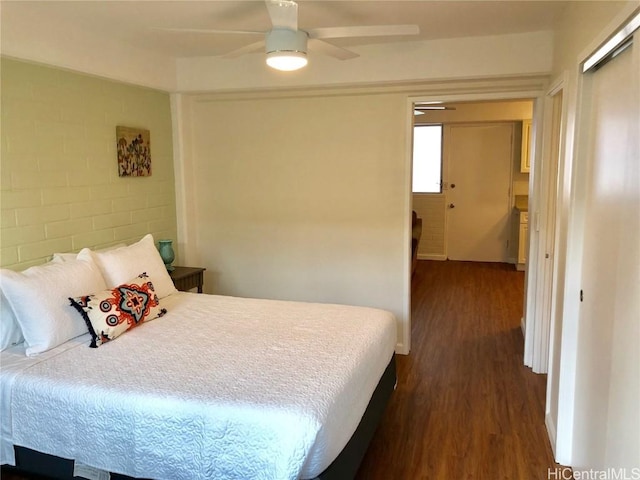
pixel 470 216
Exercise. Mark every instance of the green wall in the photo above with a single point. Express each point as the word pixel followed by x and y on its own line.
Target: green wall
pixel 60 190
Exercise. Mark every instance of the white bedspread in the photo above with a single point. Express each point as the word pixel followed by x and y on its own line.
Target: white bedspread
pixel 221 387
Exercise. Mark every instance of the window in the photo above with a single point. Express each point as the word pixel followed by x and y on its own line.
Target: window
pixel 427 159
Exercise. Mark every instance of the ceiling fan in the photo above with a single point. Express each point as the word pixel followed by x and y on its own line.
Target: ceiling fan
pixel 421 108
pixel 286 45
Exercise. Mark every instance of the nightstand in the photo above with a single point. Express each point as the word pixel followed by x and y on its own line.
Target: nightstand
pixel 186 278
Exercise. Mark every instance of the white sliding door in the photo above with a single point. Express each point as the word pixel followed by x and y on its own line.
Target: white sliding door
pixel 606 424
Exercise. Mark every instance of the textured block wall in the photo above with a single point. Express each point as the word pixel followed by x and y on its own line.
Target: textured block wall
pixel 431 208
pixel 60 190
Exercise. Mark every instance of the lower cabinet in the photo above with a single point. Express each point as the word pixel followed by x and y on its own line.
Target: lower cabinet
pixel 523 240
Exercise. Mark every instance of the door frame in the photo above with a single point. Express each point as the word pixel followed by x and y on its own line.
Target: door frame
pixel 548 207
pixel 510 89
pixel 554 290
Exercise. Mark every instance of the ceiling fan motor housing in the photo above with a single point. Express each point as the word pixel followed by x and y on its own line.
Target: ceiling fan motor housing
pixel 285 40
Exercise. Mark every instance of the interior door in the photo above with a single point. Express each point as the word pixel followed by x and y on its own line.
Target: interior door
pixel 607 427
pixel 479 162
pixel 549 284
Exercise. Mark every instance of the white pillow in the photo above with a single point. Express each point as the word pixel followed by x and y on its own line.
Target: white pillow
pixel 39 297
pixel 122 264
pixel 10 333
pixel 65 257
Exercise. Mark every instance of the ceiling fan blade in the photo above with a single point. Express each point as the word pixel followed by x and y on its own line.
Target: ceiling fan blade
pixel 424 108
pixel 283 13
pixel 252 47
pixel 333 51
pixel 209 31
pixel 363 31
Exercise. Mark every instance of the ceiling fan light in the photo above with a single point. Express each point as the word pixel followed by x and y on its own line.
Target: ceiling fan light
pixel 286 61
pixel 286 49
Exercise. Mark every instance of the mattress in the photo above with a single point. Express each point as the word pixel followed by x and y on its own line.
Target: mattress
pixel 220 387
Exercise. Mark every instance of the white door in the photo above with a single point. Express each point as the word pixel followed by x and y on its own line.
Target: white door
pixel 548 284
pixel 479 161
pixel 607 392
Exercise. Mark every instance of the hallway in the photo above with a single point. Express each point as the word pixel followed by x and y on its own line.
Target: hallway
pixel 465 407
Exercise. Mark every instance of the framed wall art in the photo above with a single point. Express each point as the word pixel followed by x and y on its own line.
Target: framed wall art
pixel 134 152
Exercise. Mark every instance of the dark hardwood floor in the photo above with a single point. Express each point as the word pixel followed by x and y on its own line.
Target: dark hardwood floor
pixel 465 406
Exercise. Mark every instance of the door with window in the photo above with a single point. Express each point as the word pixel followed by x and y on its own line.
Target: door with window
pixel 478 161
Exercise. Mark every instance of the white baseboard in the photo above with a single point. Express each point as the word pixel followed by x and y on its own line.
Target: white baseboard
pixel 430 256
pixel 442 257
pixel 551 432
pixel 401 349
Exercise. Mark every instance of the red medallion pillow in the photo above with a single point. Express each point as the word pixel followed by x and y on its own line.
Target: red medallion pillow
pixel 110 313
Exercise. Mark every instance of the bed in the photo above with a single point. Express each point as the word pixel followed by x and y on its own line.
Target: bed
pixel 214 387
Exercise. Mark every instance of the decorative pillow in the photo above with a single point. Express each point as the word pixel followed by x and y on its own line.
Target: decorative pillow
pixel 10 333
pixel 65 257
pixel 122 264
pixel 110 313
pixel 38 297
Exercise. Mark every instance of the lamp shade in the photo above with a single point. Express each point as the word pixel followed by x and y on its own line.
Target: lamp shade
pixel 286 61
pixel 286 49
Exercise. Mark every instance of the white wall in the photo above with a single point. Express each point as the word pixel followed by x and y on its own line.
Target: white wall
pixel 301 198
pixel 581 23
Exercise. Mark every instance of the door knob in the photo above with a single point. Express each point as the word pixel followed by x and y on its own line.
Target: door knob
pixel 453 185
pixel 451 205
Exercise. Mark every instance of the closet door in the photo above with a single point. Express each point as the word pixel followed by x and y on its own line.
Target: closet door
pixel 606 424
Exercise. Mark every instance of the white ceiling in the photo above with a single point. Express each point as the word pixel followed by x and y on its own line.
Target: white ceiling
pixel 127 40
pixel 137 22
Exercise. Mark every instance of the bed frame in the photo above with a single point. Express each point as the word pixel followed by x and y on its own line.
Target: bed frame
pixel 344 467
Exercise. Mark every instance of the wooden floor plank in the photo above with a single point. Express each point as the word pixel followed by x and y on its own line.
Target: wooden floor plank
pixel 465 407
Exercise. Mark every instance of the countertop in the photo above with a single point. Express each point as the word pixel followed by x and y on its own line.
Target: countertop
pixel 522 203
